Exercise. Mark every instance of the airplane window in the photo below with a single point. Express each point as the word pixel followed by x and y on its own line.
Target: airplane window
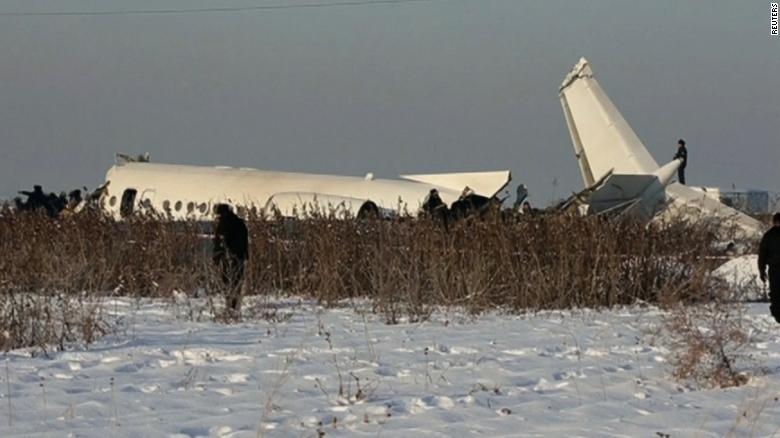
pixel 190 207
pixel 203 208
pixel 167 205
pixel 112 201
pixel 178 205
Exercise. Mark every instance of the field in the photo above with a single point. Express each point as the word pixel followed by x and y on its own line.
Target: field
pixel 343 372
pixel 536 326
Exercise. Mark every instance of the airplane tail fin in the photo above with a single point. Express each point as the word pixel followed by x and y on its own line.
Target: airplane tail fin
pixel 602 138
pixel 614 163
pixel 618 171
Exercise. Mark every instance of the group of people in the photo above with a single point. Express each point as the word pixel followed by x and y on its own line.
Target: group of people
pixel 53 205
pixel 471 204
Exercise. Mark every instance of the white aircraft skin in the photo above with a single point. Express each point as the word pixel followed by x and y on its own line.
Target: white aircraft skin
pixel 606 147
pixel 195 190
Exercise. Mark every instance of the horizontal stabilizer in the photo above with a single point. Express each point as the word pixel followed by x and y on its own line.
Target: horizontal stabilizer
pixel 618 189
pixel 482 183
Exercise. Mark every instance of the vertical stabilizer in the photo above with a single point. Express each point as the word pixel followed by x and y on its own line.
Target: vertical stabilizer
pixel 617 168
pixel 602 138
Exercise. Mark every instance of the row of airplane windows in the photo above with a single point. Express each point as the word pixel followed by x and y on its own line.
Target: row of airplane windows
pixel 166 205
pixel 127 205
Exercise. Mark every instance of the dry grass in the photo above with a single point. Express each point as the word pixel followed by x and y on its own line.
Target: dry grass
pixel 706 343
pixel 405 266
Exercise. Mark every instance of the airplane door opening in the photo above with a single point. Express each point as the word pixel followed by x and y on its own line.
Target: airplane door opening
pixel 128 202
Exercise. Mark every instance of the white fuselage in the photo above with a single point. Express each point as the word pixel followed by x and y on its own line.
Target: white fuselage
pixel 191 192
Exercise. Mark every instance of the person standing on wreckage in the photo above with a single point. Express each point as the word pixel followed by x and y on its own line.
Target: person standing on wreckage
pixel 231 249
pixel 769 255
pixel 682 154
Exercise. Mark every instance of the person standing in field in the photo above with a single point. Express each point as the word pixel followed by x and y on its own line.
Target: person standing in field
pixel 769 256
pixel 231 250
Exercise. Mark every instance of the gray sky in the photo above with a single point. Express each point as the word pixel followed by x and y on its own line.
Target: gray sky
pixel 443 86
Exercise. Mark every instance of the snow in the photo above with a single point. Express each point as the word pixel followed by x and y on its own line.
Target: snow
pixel 741 275
pixel 582 373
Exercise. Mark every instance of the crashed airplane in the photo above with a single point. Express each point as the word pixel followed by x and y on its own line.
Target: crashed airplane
pixel 619 173
pixel 191 192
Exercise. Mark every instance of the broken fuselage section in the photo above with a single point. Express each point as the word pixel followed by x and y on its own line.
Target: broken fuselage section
pixel 190 192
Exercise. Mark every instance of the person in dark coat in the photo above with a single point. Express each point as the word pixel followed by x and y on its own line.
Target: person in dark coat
pixel 682 154
pixel 35 199
pixel 74 197
pixel 522 194
pixel 769 256
pixel 231 250
pixel 435 208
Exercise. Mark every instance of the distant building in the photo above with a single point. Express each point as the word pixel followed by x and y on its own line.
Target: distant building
pixel 750 201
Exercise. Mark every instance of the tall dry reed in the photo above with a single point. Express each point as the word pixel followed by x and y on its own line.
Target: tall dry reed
pixel 405 266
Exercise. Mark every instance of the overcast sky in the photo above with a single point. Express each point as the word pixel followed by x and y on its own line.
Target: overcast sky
pixel 440 86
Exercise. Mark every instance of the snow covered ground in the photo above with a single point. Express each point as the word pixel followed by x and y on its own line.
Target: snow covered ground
pixel 741 274
pixel 557 374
